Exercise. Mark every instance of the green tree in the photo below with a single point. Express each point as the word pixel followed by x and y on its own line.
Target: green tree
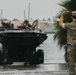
pixel 60 34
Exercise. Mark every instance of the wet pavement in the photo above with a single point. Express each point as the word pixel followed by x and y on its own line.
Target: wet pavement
pixel 42 69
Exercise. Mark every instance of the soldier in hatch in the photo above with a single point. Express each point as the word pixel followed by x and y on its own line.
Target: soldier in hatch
pixel 26 25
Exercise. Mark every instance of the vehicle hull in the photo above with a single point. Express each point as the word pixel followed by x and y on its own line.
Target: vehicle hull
pixel 21 47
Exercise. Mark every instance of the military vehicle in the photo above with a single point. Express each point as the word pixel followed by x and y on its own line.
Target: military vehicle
pixel 17 45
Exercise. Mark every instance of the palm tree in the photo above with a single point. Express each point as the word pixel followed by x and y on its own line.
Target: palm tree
pixel 60 34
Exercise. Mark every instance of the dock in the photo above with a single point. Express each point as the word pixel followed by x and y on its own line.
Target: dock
pixel 41 69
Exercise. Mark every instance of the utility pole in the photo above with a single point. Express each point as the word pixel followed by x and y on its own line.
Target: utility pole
pixel 24 15
pixel 1 14
pixel 29 12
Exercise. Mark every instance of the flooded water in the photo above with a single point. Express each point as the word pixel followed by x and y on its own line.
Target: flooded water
pixel 42 69
pixel 52 52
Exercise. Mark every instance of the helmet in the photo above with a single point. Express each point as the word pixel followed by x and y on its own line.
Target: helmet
pixel 26 20
pixel 74 13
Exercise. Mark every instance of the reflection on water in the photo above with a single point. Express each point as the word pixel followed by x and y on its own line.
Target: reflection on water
pixel 52 52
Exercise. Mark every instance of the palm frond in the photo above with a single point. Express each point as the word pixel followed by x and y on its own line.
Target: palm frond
pixel 61 34
pixel 65 4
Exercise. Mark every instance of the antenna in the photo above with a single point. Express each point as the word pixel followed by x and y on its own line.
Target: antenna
pixel 29 12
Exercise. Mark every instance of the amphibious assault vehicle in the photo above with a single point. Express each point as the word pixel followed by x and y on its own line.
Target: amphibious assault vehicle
pixel 17 45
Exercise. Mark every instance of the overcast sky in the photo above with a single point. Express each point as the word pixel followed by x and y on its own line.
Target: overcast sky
pixel 14 9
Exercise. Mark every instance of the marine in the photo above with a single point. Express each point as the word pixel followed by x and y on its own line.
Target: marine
pixel 71 40
pixel 26 25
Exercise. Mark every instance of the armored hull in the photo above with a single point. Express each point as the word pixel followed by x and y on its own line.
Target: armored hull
pixel 20 46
